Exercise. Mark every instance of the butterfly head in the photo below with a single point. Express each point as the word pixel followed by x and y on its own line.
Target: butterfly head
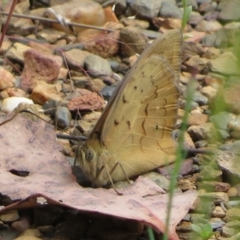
pixel 86 157
pixel 90 162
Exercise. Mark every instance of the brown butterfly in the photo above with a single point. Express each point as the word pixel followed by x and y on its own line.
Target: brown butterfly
pixel 134 133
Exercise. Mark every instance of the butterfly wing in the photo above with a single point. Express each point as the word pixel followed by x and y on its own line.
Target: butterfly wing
pixel 136 126
pixel 169 46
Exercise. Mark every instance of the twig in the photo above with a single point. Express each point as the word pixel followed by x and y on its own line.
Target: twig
pixel 70 137
pixel 55 21
pixel 7 22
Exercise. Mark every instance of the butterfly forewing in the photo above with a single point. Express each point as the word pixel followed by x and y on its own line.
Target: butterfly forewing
pixel 135 128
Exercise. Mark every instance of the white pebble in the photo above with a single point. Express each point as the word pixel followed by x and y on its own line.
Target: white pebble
pixel 9 104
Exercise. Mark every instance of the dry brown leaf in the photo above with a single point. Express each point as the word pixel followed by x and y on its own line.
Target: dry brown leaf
pixel 30 147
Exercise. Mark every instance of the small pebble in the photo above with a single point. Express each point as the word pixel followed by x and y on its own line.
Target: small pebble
pixel 9 104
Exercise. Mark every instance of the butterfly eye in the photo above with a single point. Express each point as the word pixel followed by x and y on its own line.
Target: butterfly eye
pixel 89 154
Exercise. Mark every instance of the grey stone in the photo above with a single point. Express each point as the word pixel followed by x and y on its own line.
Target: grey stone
pixel 221 120
pixel 195 18
pixel 9 233
pixel 192 49
pixel 159 179
pixel 149 9
pixel 212 53
pixel 51 35
pixel 234 224
pixel 209 40
pixel 187 217
pixel 114 64
pixel 223 39
pixel 199 218
pixel 108 91
pixel 170 10
pixel 209 92
pixel 230 10
pixel 200 99
pixel 220 39
pixel 97 66
pixel 202 132
pixel 63 117
pixel 201 144
pixel 80 82
pixel 151 34
pixel 233 147
pixel 75 57
pixel 16 52
pixel 208 173
pixel 214 197
pixel 229 163
pixel 218 212
pixel 132 41
pixel 50 107
pixel 194 104
pixel 69 47
pixel 196 168
pixel 217 223
pixel 225 64
pixel 234 127
pixel 208 26
pixel 211 8
pixel 211 16
pixel 233 214
pixel 197 65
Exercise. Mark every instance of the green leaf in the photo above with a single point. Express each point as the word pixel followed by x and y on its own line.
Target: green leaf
pixel 207 228
pixel 187 10
pixel 196 228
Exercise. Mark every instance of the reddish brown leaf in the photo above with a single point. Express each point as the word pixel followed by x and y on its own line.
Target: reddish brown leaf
pixel 30 147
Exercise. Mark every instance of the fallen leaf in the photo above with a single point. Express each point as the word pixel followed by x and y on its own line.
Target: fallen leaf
pixel 34 172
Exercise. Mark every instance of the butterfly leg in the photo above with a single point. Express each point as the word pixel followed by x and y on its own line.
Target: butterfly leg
pixel 109 176
pixel 119 164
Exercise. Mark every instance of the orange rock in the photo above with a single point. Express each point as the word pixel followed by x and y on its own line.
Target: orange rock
pixel 194 36
pixel 167 23
pixel 197 118
pixel 39 67
pixel 44 48
pixel 16 92
pixel 6 79
pixel 100 43
pixel 42 92
pixel 110 15
pixel 87 101
pixel 82 12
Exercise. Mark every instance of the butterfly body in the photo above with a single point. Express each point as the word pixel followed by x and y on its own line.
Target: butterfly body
pixel 134 133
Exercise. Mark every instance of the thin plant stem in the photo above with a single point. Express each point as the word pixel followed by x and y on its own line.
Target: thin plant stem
pixel 150 233
pixel 7 22
pixel 179 156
